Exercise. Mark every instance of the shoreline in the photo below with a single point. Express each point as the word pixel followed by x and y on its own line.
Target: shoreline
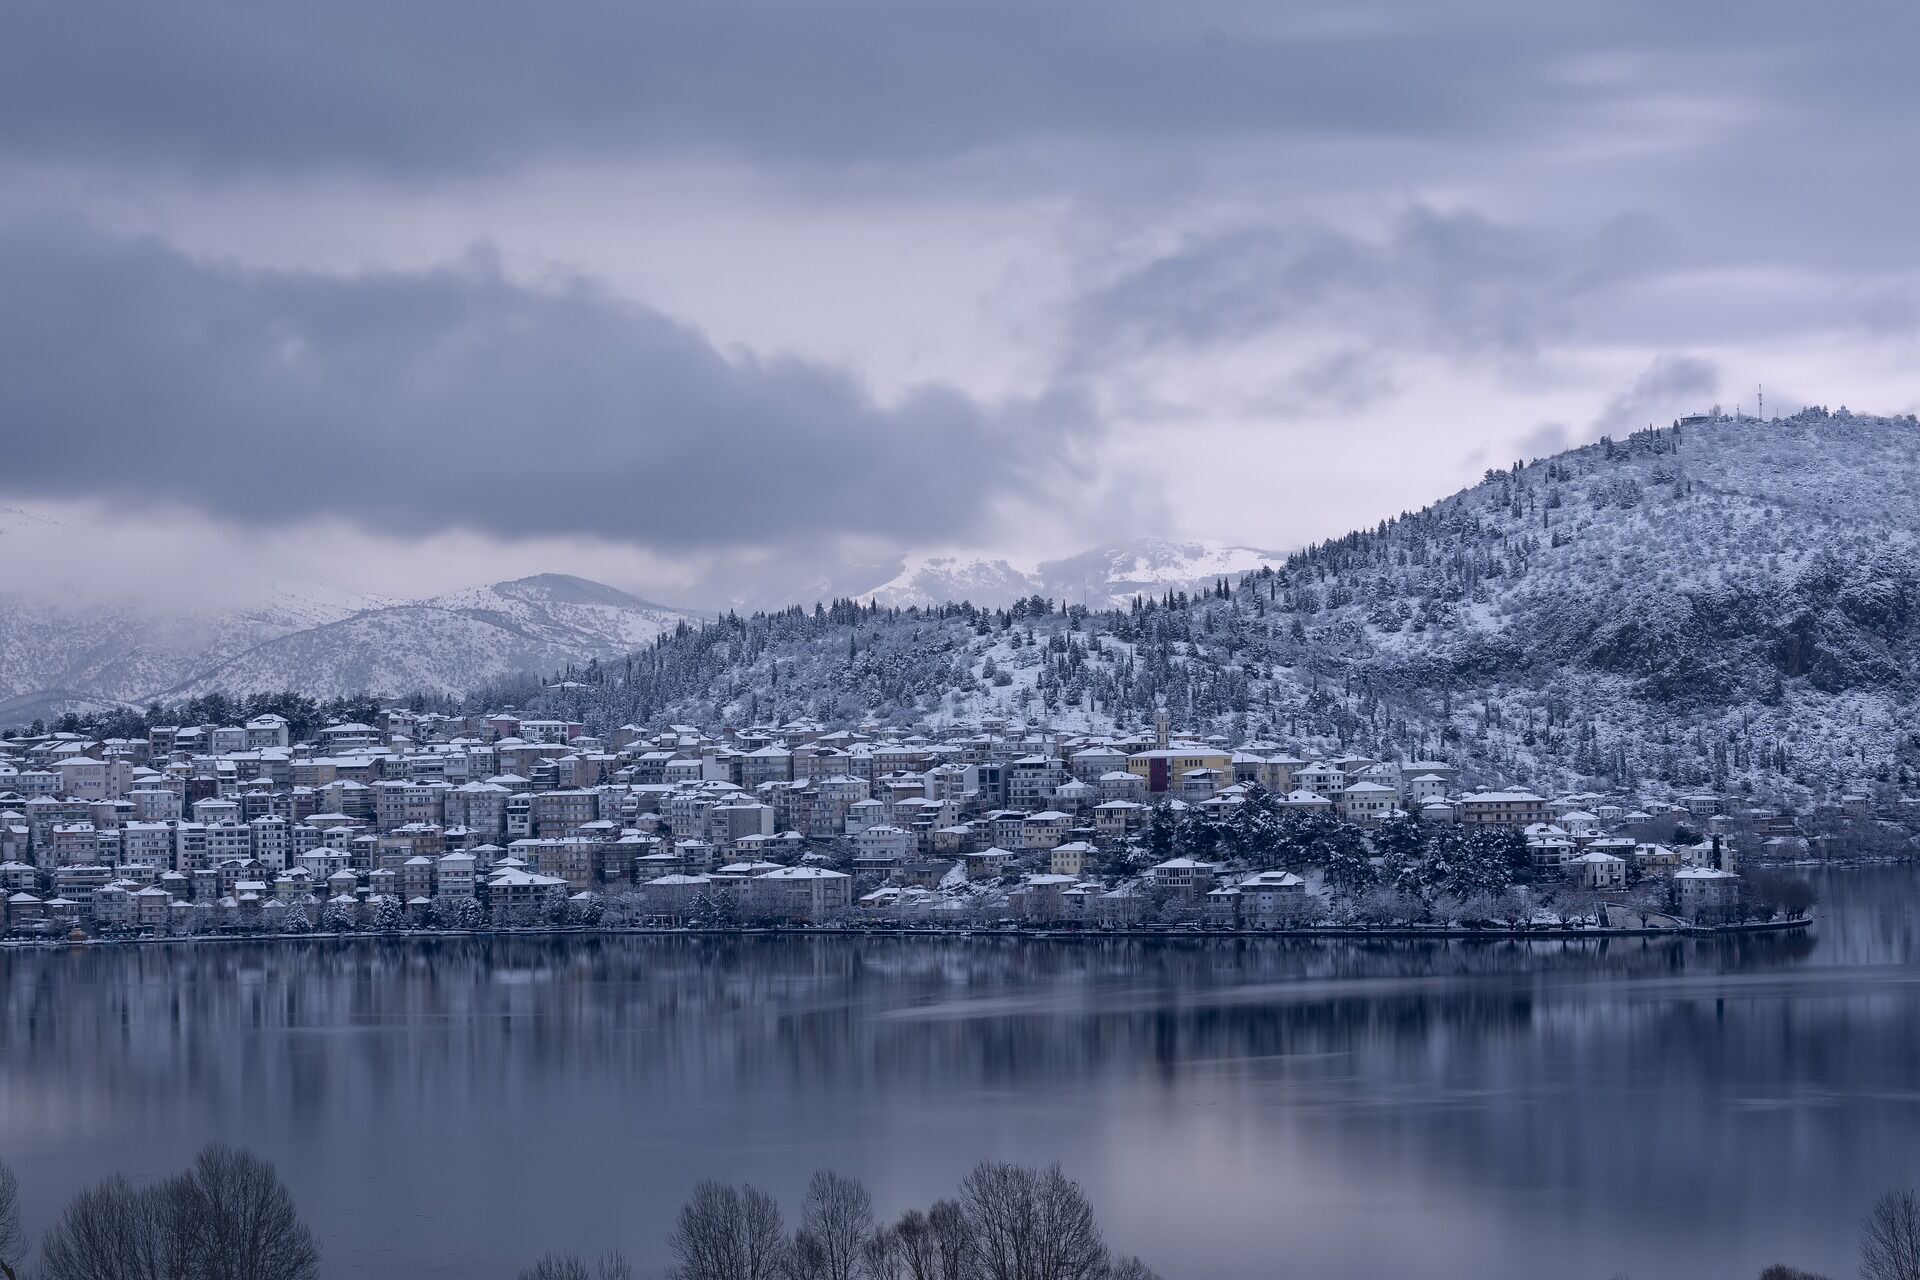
pixel 1328 933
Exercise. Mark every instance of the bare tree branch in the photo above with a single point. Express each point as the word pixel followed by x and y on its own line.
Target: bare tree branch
pixel 557 1266
pixel 613 1265
pixel 954 1249
pixel 835 1223
pixel 881 1257
pixel 13 1239
pixel 725 1233
pixel 115 1231
pixel 1030 1224
pixel 238 1222
pixel 1890 1238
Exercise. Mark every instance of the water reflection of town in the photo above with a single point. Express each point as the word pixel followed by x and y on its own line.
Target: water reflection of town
pixel 810 1013
pixel 1552 1095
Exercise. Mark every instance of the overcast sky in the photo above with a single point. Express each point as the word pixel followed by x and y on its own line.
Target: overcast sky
pixel 695 296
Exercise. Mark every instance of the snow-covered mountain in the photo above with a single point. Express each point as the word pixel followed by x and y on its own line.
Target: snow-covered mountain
pixel 1110 577
pixel 59 652
pixel 1106 577
pixel 448 644
pixel 313 639
pixel 59 656
pixel 1731 603
pixel 934 579
pixel 69 645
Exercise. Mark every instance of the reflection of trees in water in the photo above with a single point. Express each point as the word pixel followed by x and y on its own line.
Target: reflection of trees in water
pixel 1881 923
pixel 1635 1087
pixel 319 1022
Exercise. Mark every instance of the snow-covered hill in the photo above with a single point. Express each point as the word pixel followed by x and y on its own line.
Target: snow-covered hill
pixel 1731 603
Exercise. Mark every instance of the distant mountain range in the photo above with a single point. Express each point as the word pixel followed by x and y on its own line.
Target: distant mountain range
pixel 57 656
pixel 1103 578
pixel 61 652
pixel 448 644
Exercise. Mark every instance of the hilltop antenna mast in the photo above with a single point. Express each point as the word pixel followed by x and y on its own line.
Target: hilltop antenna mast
pixel 1761 391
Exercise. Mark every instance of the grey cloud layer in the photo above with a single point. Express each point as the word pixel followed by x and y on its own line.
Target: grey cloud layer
pixel 1354 308
pixel 133 373
pixel 1666 381
pixel 1446 281
pixel 437 85
pixel 440 85
pixel 1453 284
pixel 1648 176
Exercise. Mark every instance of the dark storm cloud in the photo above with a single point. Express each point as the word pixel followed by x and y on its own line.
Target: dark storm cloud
pixel 413 403
pixel 438 85
pixel 1570 182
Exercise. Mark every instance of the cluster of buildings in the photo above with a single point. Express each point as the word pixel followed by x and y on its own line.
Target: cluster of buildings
pixel 1600 846
pixel 424 814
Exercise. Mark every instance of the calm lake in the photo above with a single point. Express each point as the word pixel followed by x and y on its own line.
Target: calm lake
pixel 1238 1109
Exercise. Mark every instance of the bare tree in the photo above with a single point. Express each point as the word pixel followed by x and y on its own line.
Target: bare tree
pixel 726 1233
pixel 998 1199
pixel 613 1265
pixel 881 1257
pixel 13 1239
pixel 1132 1269
pixel 918 1250
pixel 1071 1246
pixel 953 1243
pixel 115 1231
pixel 1030 1224
pixel 557 1266
pixel 1890 1238
pixel 762 1242
pixel 704 1240
pixel 936 1245
pixel 806 1257
pixel 835 1225
pixel 237 1221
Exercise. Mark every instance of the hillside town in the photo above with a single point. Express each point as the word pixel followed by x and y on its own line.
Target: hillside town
pixel 423 820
